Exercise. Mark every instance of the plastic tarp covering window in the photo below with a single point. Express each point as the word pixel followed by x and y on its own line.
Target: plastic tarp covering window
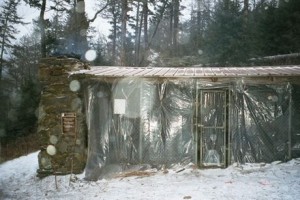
pixel 260 122
pixel 138 121
pixel 144 122
pixel 295 139
pixel 257 120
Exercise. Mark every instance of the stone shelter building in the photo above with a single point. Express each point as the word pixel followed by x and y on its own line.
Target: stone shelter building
pixel 104 119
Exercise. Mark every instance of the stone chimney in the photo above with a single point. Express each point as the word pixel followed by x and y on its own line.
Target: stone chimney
pixel 61 123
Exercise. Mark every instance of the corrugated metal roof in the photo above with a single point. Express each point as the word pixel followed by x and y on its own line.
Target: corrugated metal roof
pixel 192 71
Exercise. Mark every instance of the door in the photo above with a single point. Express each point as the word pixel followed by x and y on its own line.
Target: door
pixel 212 128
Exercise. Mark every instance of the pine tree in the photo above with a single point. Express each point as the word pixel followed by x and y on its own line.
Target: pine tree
pixel 278 28
pixel 25 57
pixel 174 26
pixel 41 5
pixel 156 29
pixel 114 14
pixel 200 18
pixel 225 42
pixel 75 32
pixel 8 19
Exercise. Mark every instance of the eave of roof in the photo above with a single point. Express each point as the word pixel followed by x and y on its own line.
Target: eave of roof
pixel 192 72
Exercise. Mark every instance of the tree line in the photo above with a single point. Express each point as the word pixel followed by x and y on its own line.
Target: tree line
pixel 142 33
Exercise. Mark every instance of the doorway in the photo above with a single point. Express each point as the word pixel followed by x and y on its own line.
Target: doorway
pixel 212 128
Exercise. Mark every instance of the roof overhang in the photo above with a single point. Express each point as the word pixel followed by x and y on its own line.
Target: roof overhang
pixel 192 72
pixel 259 74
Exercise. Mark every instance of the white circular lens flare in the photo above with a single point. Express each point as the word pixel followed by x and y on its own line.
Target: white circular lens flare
pixel 76 103
pixel 90 55
pixel 53 139
pixel 74 86
pixel 83 32
pixel 274 98
pixel 44 162
pixel 51 150
pixel 200 52
pixel 100 94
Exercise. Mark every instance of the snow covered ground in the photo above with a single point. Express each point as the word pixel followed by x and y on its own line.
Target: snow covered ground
pixel 251 181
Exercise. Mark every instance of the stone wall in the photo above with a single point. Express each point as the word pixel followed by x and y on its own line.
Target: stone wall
pixel 61 125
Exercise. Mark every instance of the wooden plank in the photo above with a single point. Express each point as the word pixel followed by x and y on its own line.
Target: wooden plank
pixel 171 72
pixel 162 72
pixel 98 70
pixel 180 72
pixel 138 72
pixel 144 71
pixel 110 72
pixel 293 70
pixel 190 72
pixel 218 71
pixel 227 72
pixel 154 71
pixel 233 70
pixel 242 72
pixel 207 71
pixel 268 70
pixel 125 72
pixel 256 72
pixel 274 71
pixel 199 72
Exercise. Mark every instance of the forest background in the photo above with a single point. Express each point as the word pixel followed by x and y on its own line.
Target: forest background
pixel 152 33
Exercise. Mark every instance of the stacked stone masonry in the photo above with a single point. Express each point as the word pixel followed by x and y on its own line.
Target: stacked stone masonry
pixel 64 142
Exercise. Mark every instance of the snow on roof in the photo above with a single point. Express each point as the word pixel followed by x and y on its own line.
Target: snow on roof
pixel 109 71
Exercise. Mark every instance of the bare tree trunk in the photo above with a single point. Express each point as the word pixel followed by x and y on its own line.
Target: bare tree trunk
pixel 160 16
pixel 254 3
pixel 42 28
pixel 226 4
pixel 138 26
pixel 145 14
pixel 114 42
pixel 245 13
pixel 123 32
pixel 2 49
pixel 170 42
pixel 82 25
pixel 114 33
pixel 139 41
pixel 199 22
pixel 175 27
pixel 246 7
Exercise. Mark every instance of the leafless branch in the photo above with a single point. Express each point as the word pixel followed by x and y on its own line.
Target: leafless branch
pixel 98 12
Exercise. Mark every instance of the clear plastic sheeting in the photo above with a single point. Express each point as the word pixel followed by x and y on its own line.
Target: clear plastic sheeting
pixel 99 122
pixel 260 125
pixel 167 123
pixel 137 123
pixel 154 128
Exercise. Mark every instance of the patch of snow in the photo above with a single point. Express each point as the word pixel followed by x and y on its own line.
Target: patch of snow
pixel 250 181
